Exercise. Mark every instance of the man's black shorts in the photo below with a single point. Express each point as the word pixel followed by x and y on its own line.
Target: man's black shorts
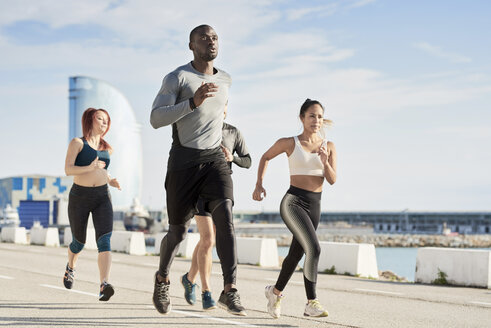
pixel 202 208
pixel 208 181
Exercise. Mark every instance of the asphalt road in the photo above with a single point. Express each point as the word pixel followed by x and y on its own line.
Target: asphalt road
pixel 32 295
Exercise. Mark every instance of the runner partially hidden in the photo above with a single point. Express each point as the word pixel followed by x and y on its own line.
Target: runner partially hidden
pixel 235 151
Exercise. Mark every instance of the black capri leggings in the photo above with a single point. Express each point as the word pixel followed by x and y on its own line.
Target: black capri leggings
pixel 84 200
pixel 300 210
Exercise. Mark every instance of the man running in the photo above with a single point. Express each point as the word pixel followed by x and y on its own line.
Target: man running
pixel 192 98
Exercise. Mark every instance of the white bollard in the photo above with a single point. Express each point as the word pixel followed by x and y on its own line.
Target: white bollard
pixel 45 236
pixel 461 267
pixel 90 242
pixel 186 247
pixel 354 259
pixel 130 242
pixel 257 251
pixel 158 240
pixel 16 235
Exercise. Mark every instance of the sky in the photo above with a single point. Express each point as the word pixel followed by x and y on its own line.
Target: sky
pixel 407 84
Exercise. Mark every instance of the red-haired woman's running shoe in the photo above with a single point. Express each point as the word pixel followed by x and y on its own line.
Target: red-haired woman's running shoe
pixel 106 292
pixel 68 277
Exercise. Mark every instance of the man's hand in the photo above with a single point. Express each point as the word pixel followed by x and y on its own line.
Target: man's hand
pixel 206 90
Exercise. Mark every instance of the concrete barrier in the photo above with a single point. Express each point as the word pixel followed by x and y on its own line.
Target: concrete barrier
pixel 462 267
pixel 186 248
pixel 257 251
pixel 45 236
pixel 158 239
pixel 130 242
pixel 354 259
pixel 16 235
pixel 90 242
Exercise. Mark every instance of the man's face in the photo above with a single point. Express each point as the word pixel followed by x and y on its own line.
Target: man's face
pixel 205 44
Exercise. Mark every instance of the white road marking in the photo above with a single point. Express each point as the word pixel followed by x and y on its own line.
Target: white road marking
pixel 377 291
pixel 69 290
pixel 6 277
pixel 290 282
pixel 210 318
pixel 480 303
pixel 150 265
pixel 36 251
pixel 216 319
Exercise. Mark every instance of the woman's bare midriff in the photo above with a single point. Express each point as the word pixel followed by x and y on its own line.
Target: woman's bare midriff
pixel 96 178
pixel 307 182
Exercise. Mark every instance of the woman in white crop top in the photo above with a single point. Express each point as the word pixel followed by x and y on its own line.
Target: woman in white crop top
pixel 311 159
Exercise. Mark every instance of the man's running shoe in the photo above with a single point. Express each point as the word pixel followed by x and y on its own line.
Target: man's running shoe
pixel 230 301
pixel 161 298
pixel 314 309
pixel 106 292
pixel 189 290
pixel 208 301
pixel 68 277
pixel 274 302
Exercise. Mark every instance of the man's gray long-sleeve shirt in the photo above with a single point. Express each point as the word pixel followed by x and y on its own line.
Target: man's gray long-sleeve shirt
pixel 197 133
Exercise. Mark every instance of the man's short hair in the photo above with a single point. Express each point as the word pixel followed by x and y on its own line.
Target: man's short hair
pixel 196 30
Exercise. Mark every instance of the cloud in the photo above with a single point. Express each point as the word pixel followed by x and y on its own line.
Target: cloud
pixel 299 13
pixel 325 10
pixel 360 3
pixel 138 24
pixel 440 53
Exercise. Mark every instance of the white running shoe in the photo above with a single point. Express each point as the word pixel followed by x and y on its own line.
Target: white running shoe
pixel 274 302
pixel 314 309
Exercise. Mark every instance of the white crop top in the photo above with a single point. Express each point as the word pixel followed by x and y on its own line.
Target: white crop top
pixel 302 162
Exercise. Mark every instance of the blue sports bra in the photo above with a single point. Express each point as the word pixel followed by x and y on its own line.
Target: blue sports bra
pixel 88 154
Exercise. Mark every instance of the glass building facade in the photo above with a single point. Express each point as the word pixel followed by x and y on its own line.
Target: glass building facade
pixel 124 135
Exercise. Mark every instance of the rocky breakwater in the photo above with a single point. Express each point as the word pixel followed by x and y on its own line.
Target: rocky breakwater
pixel 392 240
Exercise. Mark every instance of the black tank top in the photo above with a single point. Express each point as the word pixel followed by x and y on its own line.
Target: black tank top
pixel 88 154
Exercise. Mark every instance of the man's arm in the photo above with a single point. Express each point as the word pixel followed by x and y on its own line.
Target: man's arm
pixel 243 159
pixel 165 111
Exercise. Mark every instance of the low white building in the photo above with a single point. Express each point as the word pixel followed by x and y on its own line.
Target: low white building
pixel 37 198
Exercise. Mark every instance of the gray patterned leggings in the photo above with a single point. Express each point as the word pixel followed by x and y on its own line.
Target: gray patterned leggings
pixel 300 210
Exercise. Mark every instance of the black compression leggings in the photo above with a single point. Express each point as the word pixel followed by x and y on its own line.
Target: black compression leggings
pixel 221 211
pixel 300 210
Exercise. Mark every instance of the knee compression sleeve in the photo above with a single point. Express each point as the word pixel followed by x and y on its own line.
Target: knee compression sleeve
pixel 76 246
pixel 104 243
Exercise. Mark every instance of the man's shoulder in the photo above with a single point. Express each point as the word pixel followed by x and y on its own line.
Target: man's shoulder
pixel 223 74
pixel 181 75
pixel 181 70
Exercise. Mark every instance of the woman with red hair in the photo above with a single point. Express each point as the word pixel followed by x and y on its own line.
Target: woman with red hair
pixel 87 159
